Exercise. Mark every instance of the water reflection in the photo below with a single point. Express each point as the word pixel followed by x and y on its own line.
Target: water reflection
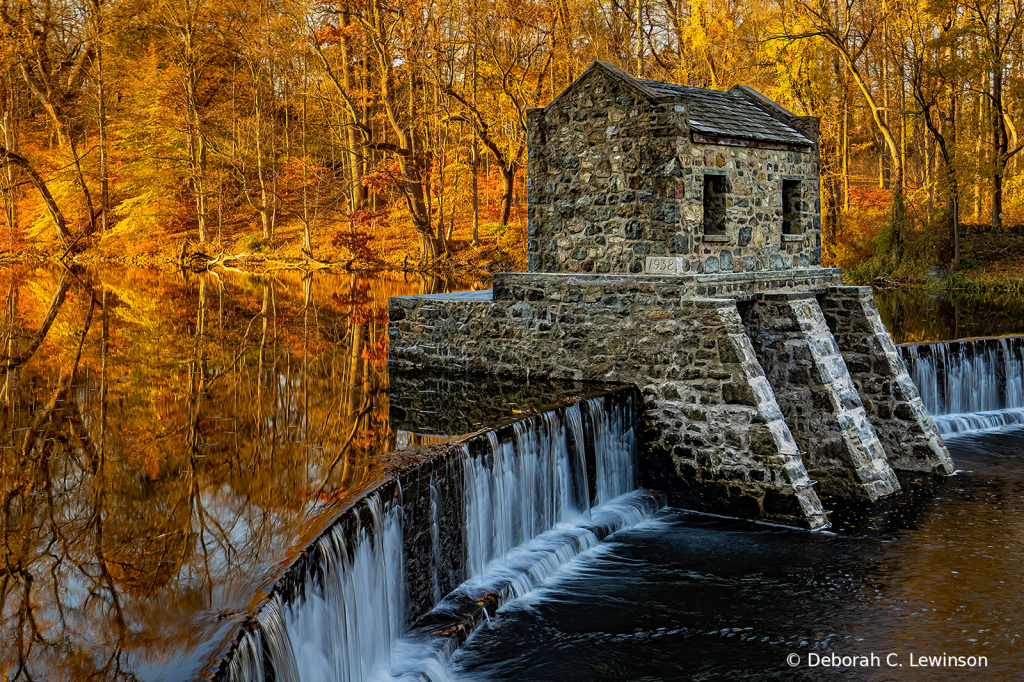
pixel 165 443
pixel 923 315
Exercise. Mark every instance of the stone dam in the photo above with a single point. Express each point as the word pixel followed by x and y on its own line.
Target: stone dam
pixel 674 261
pixel 674 245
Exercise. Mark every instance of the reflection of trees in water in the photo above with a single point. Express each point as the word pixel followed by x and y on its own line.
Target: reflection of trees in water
pixel 921 315
pixel 162 441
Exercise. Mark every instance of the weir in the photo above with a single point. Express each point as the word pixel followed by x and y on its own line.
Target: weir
pixel 674 249
pixel 970 385
pixel 459 529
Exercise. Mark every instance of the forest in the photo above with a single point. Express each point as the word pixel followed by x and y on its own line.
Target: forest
pixel 393 132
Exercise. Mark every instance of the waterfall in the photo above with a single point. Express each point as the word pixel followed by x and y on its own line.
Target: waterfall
pixel 529 484
pixel 350 609
pixel 521 495
pixel 969 385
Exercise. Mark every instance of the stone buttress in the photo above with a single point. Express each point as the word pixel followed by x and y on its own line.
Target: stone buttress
pixel 715 436
pixel 818 397
pixel 890 397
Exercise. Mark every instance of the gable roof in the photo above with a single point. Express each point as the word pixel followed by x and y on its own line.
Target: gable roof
pixel 741 113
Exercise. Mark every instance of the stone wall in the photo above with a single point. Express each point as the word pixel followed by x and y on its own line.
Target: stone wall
pixel 575 288
pixel 714 439
pixel 429 403
pixel 819 401
pixel 890 397
pixel 983 244
pixel 614 177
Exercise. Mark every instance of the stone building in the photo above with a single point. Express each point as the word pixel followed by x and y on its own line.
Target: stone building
pixel 631 176
pixel 674 244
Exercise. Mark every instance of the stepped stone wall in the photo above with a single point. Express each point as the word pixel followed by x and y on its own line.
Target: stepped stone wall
pixel 890 397
pixel 615 177
pixel 983 244
pixel 818 398
pixel 715 436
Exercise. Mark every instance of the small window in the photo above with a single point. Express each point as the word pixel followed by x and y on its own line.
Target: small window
pixel 792 207
pixel 716 187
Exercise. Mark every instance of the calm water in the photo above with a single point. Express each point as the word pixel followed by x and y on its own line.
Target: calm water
pixel 166 442
pixel 919 316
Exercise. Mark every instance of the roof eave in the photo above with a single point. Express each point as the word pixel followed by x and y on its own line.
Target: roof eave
pixel 750 142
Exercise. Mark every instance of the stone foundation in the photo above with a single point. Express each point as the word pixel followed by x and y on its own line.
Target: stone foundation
pixel 715 437
pixel 575 288
pixel 720 434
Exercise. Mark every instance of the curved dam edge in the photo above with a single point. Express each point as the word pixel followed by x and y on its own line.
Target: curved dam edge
pixel 426 483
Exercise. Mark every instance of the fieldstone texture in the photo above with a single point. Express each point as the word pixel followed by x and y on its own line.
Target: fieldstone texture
pixel 439 404
pixel 575 288
pixel 714 439
pixel 817 395
pixel 890 397
pixel 623 168
pixel 980 243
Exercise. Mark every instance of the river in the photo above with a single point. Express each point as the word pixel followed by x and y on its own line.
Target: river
pixel 169 442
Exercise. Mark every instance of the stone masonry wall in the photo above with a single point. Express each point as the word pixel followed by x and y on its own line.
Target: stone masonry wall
pixel 715 437
pixel 614 177
pixel 558 287
pixel 983 244
pixel 817 395
pixel 890 397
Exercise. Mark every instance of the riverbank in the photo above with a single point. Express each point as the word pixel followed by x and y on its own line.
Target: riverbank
pixel 1004 276
pixel 498 248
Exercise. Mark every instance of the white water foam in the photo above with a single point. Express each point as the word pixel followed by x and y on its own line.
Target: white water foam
pixel 515 576
pixel 343 627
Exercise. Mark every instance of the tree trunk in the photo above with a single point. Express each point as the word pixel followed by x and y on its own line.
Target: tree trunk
pixel 7 157
pixel 102 119
pixel 354 153
pixel 1000 145
pixel 508 177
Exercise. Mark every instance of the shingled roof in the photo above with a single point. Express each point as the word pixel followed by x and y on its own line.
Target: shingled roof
pixel 741 113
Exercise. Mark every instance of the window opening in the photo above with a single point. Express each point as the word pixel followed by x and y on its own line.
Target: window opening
pixel 792 207
pixel 716 187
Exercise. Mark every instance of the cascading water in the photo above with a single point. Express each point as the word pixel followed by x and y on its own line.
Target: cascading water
pixel 350 611
pixel 969 385
pixel 526 511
